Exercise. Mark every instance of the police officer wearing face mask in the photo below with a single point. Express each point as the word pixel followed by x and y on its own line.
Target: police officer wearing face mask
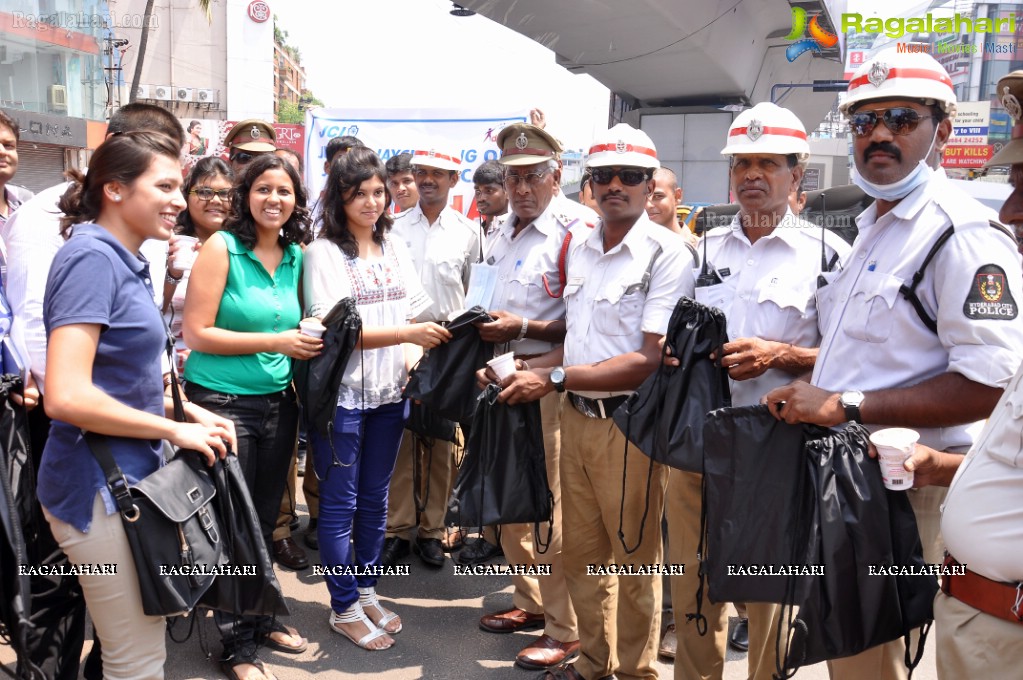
pixel 933 356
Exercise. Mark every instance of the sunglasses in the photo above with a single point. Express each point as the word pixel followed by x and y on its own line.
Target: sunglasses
pixel 630 177
pixel 530 178
pixel 207 194
pixel 901 120
pixel 242 157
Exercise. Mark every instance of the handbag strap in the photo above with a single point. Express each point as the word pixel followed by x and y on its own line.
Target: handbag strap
pixel 99 444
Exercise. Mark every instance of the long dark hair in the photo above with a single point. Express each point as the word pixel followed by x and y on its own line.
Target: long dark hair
pixel 121 158
pixel 209 167
pixel 347 173
pixel 243 225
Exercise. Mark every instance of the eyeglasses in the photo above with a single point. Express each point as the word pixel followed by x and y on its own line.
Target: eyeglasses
pixel 530 178
pixel 207 194
pixel 242 157
pixel 630 176
pixel 901 120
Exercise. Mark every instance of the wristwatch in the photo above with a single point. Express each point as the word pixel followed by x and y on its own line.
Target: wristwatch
pixel 558 378
pixel 851 401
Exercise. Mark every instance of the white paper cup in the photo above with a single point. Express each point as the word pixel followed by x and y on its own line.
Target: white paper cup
pixel 503 365
pixel 312 328
pixel 894 446
pixel 184 257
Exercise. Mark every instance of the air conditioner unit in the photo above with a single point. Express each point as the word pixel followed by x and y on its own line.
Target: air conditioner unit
pixel 143 92
pixel 57 98
pixel 206 96
pixel 162 92
pixel 183 94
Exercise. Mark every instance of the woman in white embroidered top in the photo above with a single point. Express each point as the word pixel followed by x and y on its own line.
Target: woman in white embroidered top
pixel 353 257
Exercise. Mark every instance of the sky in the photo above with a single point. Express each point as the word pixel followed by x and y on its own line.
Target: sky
pixel 390 53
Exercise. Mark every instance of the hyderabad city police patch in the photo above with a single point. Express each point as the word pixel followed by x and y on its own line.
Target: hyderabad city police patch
pixel 989 296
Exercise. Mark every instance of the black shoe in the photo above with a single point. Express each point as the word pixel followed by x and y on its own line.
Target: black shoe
pixel 739 639
pixel 395 548
pixel 430 551
pixel 312 537
pixel 479 551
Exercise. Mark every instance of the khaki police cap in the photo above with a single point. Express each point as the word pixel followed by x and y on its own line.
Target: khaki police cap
pixel 525 144
pixel 1010 92
pixel 252 134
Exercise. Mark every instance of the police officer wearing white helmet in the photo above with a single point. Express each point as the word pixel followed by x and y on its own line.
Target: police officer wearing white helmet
pixel 934 355
pixel 762 271
pixel 624 277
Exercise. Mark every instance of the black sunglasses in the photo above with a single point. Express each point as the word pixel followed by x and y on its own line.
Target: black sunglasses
pixel 901 120
pixel 630 177
pixel 242 157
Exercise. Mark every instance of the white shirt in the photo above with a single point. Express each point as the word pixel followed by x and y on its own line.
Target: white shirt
pixel 767 289
pixel 982 518
pixel 607 309
pixel 443 254
pixel 565 208
pixel 522 261
pixel 387 292
pixel 873 338
pixel 32 236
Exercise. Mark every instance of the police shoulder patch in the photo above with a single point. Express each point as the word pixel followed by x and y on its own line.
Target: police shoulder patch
pixel 989 296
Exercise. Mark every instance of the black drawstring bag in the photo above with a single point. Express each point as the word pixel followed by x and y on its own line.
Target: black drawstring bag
pixel 503 478
pixel 756 502
pixel 445 378
pixel 862 525
pixel 17 514
pixel 257 594
pixel 318 380
pixel 424 421
pixel 664 418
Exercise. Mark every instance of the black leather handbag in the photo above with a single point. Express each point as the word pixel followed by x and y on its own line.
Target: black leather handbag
pixel 171 523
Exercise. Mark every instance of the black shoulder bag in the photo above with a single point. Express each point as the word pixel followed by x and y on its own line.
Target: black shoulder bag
pixel 170 522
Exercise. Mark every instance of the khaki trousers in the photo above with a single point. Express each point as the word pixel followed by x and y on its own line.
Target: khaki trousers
pixel 619 616
pixel 282 529
pixel 887 661
pixel 703 657
pixel 133 644
pixel 544 594
pixel 972 644
pixel 401 504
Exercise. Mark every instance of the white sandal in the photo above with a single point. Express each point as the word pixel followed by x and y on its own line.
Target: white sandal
pixel 354 614
pixel 368 598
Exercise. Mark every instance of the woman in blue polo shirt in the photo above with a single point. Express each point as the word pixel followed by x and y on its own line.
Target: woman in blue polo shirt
pixel 103 374
pixel 241 320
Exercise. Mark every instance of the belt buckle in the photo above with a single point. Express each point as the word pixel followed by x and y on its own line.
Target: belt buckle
pixel 582 404
pixel 1019 601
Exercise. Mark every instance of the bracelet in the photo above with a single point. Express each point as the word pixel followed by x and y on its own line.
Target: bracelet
pixel 525 327
pixel 170 279
pixel 397 340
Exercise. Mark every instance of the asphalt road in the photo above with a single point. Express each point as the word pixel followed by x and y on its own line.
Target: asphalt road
pixel 440 641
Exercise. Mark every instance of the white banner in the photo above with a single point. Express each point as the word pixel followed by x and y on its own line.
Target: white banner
pixel 469 133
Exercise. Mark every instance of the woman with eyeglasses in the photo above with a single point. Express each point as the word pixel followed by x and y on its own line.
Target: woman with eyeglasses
pixel 241 319
pixel 207 191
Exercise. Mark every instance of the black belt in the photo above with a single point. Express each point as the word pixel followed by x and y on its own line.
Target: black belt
pixel 596 408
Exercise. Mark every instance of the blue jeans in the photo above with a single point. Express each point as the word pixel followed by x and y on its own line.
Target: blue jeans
pixel 353 492
pixel 266 426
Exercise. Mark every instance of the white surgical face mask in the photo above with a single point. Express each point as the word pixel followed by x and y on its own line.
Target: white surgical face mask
pixel 903 187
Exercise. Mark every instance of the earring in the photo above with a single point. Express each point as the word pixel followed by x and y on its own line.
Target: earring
pixel 117 198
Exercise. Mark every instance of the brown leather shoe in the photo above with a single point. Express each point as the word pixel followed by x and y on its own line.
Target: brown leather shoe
pixel 546 652
pixel 290 554
pixel 511 621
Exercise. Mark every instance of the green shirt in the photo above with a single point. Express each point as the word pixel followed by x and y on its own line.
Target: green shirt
pixel 253 302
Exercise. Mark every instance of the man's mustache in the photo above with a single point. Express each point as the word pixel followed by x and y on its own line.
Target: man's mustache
pixel 884 147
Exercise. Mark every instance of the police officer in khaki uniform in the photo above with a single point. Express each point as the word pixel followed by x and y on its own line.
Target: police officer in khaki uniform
pixel 623 279
pixel 524 249
pixel 248 139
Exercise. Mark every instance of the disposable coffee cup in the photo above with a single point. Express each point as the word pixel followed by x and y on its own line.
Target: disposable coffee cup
pixel 895 445
pixel 312 328
pixel 184 257
pixel 503 365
